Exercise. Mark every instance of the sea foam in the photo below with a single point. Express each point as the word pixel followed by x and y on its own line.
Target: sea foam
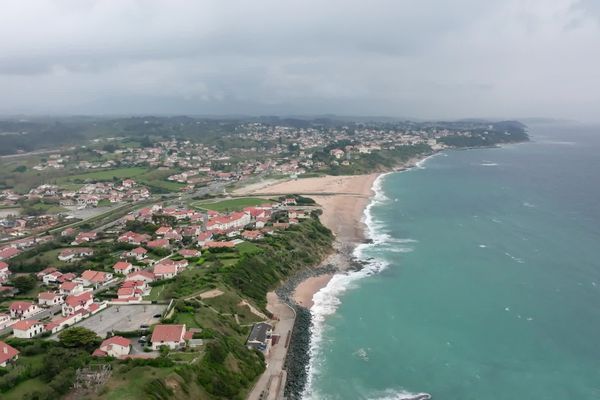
pixel 327 300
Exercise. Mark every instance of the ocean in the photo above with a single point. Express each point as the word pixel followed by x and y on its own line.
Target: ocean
pixel 482 281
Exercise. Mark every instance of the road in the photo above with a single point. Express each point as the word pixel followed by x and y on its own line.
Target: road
pixel 271 383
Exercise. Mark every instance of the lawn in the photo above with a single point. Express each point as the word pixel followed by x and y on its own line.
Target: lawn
pixel 232 204
pixel 247 248
pixel 130 385
pixel 106 174
pixel 23 389
pixel 156 293
pixel 150 177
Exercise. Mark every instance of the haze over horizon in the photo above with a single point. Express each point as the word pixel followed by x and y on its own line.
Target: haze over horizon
pixel 420 59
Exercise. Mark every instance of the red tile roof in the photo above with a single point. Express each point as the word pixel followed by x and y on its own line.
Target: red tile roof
pixel 118 340
pixel 168 333
pixel 24 324
pixel 7 352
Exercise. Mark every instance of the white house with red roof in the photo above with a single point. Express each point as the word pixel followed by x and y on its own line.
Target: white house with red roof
pixel 146 276
pixel 139 253
pixel 5 320
pixel 163 230
pixel 8 354
pixel 252 235
pixel 165 270
pixel 226 222
pixel 23 309
pixel 9 252
pixel 4 272
pixel 116 346
pixel 52 277
pixel 27 329
pixel 159 244
pixel 45 271
pixel 203 238
pixel 189 253
pixel 75 253
pixel 124 267
pixel 171 336
pixel 70 288
pixel 49 299
pixel 84 237
pixel 75 303
pixel 133 238
pixel 95 278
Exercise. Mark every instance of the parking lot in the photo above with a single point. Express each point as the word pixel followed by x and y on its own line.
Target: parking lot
pixel 123 318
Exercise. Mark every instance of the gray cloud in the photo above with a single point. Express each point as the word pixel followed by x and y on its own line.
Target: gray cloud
pixel 428 58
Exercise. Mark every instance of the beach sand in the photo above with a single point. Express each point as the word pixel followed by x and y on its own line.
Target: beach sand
pixel 343 200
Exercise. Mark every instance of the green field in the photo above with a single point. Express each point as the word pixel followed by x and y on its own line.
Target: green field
pixel 106 175
pixel 150 177
pixel 232 204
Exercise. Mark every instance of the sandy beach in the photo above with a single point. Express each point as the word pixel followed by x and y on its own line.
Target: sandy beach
pixel 343 200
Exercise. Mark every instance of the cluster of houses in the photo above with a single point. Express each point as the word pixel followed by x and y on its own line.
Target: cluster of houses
pixel 69 294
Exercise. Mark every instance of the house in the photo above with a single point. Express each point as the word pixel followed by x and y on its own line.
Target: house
pixel 70 288
pixel 233 220
pixel 133 238
pixel 252 235
pixel 116 346
pixel 163 230
pixel 171 336
pixel 5 320
pixel 203 238
pixel 75 303
pixel 189 253
pixel 68 232
pixel 27 329
pixel 165 271
pixel 139 253
pixel 84 237
pixel 216 245
pixel 75 253
pixel 49 299
pixel 52 277
pixel 260 337
pixel 68 277
pixel 145 276
pixel 124 267
pixel 8 354
pixel 23 309
pixel 95 278
pixel 40 275
pixel 4 272
pixel 9 252
pixel 158 244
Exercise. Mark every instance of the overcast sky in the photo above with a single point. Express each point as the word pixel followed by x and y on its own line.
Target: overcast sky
pixel 420 58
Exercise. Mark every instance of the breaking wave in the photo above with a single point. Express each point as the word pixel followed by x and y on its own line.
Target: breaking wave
pixel 327 300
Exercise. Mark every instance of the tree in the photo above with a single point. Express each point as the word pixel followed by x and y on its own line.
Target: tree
pixel 24 283
pixel 78 337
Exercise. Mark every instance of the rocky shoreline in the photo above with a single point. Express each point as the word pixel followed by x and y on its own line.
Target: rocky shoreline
pixel 298 356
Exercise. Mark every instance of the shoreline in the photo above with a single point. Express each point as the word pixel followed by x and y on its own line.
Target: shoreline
pixel 343 201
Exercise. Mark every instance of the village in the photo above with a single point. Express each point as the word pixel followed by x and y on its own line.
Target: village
pixel 118 297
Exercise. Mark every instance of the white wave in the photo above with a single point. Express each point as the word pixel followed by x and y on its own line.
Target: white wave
pixel 527 204
pixel 421 164
pixel 399 394
pixel 489 164
pixel 327 300
pixel 483 246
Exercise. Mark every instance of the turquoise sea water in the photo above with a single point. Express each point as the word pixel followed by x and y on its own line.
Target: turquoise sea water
pixel 483 280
